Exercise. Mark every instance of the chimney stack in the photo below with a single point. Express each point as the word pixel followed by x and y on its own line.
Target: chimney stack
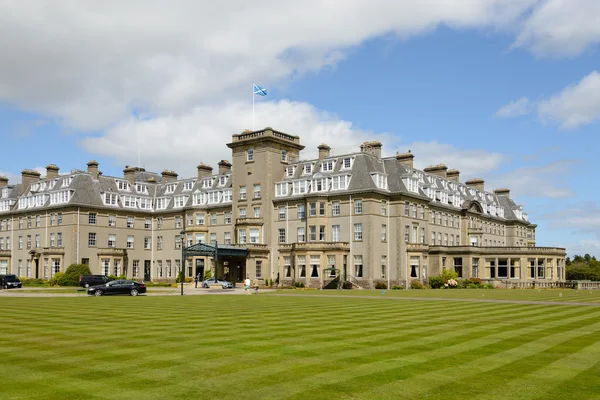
pixel 324 151
pixel 224 167
pixel 453 175
pixel 406 158
pixel 204 170
pixel 503 192
pixel 439 170
pixel 129 174
pixel 51 171
pixel 28 176
pixel 92 169
pixel 168 176
pixel 373 148
pixel 476 183
pixel 3 181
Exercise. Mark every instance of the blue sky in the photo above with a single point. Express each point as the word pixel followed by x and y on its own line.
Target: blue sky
pixel 490 90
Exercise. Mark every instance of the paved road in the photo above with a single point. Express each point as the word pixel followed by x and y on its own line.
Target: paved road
pixel 161 291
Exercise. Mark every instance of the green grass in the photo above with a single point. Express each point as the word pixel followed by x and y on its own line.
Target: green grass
pixel 305 347
pixel 563 295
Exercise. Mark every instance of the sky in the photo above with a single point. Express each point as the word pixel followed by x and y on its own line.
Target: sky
pixel 505 90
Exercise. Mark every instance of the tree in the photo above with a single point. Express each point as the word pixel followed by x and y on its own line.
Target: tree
pixel 72 274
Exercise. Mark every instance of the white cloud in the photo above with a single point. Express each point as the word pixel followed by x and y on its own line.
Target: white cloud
pixel 582 218
pixel 90 63
pixel 576 105
pixel 561 27
pixel 515 108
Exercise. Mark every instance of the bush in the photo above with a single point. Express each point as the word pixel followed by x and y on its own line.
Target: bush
pixel 299 284
pixel 448 274
pixel 72 274
pixel 488 286
pixel 436 282
pixel 416 285
pixel 54 281
pixel 114 277
pixel 380 285
pixel 33 282
pixel 397 287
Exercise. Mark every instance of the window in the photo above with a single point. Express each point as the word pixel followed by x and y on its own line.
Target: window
pixel 301 211
pixel 383 207
pixel 406 209
pixel 307 169
pixel 213 238
pixel 52 219
pixel 257 191
pixel 322 236
pixel 250 154
pixel 383 266
pixel 227 217
pixel 312 209
pixel 91 218
pixel 55 265
pixel 458 267
pixel 28 241
pixel 300 234
pixel 91 239
pixel 147 243
pixel 59 241
pixel 452 240
pixel 187 185
pixel 475 268
pixel 130 222
pixel 112 240
pixel 287 270
pixel 200 238
pixel 384 233
pixel 331 266
pixel 406 233
pixel 322 209
pixel 242 235
pixel 281 189
pixel 37 241
pixel 289 171
pixel 136 268
pixel 358 206
pixel 190 240
pixel 327 166
pixel 243 212
pixel 110 199
pixel 335 208
pixel 159 223
pixel 282 235
pixel 112 220
pixel 242 192
pixel 281 213
pixel 347 162
pixel 414 266
pixel 422 239
pixel 313 233
pixel 177 221
pixel 422 212
pixel 414 211
pixel 199 219
pixel 335 233
pixel 213 218
pixel 254 238
pixel 227 237
pixel 52 240
pixel 315 262
pixel 177 241
pixel 130 242
pixel 358 233
pixel 147 223
pixel 302 266
pixel 38 221
pixel 258 269
pixel 20 222
pixel 439 242
pixel 358 266
pixel 445 239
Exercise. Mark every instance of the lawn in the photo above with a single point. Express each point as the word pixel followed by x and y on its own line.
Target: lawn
pixel 304 347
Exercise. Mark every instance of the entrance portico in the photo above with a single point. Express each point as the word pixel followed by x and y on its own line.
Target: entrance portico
pixel 229 261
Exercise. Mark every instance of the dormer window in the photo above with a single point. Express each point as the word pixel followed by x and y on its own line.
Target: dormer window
pixel 307 169
pixel 222 180
pixel 67 181
pixel 141 188
pixel 300 187
pixel 327 166
pixel 320 185
pixel 347 162
pixel 123 185
pixel 180 201
pixel 289 171
pixel 4 192
pixel 281 189
pixel 411 183
pixel 170 188
pixel 340 182
pixel 250 154
pixel 188 185
pixel 110 199
pixel 380 181
pixel 162 203
pixel 227 196
pixel 207 183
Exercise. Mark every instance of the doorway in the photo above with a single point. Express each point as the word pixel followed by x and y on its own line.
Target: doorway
pixel 147 270
pixel 200 268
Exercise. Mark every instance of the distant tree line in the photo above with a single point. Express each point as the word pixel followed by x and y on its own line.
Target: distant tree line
pixel 583 268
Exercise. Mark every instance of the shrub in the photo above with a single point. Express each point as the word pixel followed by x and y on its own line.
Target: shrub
pixel 54 281
pixel 416 285
pixel 448 274
pixel 380 285
pixel 299 284
pixel 473 286
pixel 488 286
pixel 114 277
pixel 72 274
pixel 436 282
pixel 397 287
pixel 33 282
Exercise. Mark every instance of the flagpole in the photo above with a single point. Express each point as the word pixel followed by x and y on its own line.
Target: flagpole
pixel 252 107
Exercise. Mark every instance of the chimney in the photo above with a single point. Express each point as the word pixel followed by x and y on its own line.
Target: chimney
pixel 373 148
pixel 476 183
pixel 92 169
pixel 28 176
pixel 406 158
pixel 3 181
pixel 129 174
pixel 224 167
pixel 324 151
pixel 168 176
pixel 439 170
pixel 204 170
pixel 51 171
pixel 503 192
pixel 453 175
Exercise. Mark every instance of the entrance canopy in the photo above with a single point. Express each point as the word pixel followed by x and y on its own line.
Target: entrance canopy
pixel 224 250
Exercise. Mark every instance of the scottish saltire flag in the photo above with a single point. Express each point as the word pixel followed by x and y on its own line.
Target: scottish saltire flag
pixel 259 90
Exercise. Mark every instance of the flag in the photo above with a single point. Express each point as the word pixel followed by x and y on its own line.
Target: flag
pixel 259 90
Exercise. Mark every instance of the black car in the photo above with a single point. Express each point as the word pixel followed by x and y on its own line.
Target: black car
pixel 92 280
pixel 118 287
pixel 10 282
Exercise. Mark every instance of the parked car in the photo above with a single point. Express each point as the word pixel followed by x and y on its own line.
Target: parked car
pixel 92 280
pixel 211 281
pixel 118 287
pixel 10 282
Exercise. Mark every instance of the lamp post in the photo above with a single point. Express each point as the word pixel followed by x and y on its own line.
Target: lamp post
pixel 182 259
